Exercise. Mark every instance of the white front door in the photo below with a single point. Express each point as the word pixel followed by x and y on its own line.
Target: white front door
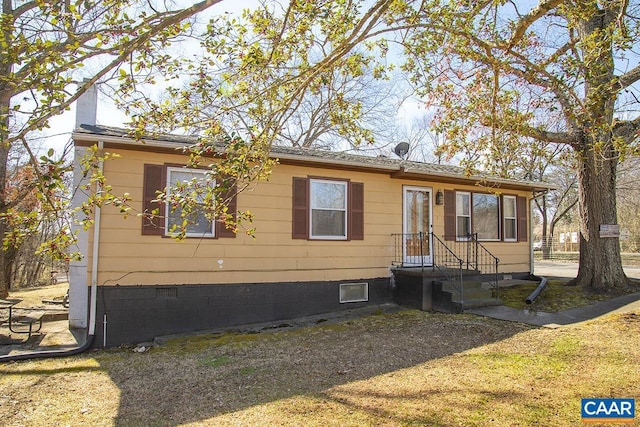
pixel 417 226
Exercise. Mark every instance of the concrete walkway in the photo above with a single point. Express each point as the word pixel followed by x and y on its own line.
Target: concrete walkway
pixel 622 304
pixel 567 270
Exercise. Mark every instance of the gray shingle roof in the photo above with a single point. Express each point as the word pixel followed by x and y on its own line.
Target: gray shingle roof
pixel 308 155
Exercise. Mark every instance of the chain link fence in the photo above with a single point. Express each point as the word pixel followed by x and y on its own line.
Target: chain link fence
pixel 567 248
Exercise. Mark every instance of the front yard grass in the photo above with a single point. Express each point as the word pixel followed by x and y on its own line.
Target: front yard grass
pixel 408 368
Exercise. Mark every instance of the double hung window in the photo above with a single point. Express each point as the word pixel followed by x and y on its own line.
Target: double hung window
pixel 167 218
pixel 187 183
pixel 327 209
pixel 510 218
pixel 463 215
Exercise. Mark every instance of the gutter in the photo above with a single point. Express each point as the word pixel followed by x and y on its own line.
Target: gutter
pixel 93 300
pixel 111 139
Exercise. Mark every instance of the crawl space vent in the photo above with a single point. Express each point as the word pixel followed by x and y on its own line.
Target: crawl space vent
pixel 354 292
pixel 166 292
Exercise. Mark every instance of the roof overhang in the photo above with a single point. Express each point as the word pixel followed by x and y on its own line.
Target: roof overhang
pixel 482 181
pixel 398 170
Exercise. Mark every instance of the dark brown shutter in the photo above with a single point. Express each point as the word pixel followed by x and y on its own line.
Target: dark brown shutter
pixel 356 211
pixel 449 215
pixel 300 216
pixel 501 230
pixel 154 180
pixel 232 207
pixel 521 207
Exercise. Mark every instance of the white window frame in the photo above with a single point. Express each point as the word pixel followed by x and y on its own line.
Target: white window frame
pixel 459 205
pixel 345 184
pixel 514 218
pixel 167 226
pixel 498 222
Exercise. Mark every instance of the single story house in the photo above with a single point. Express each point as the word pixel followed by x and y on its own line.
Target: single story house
pixel 331 231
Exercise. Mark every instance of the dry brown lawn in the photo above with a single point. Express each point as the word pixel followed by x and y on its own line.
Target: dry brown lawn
pixel 408 368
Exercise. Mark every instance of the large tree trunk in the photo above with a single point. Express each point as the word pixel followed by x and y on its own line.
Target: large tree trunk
pixel 600 262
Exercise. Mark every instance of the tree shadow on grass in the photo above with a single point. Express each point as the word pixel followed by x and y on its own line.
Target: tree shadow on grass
pixel 199 378
pixel 430 406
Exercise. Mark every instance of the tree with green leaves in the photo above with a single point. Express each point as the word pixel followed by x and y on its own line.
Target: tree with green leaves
pixel 508 67
pixel 498 74
pixel 250 76
pixel 493 72
pixel 52 52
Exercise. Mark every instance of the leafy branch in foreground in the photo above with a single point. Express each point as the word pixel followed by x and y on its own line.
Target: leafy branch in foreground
pixel 505 74
pixel 52 52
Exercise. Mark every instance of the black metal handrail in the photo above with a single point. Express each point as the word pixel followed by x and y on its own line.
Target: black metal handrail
pixel 488 265
pixel 410 245
pixel 477 257
pixel 449 257
pixel 417 246
pixel 449 264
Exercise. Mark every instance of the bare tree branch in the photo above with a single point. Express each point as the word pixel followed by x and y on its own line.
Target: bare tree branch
pixel 126 51
pixel 629 78
pixel 526 21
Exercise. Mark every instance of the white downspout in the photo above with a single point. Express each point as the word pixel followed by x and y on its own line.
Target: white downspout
pixel 531 260
pixel 95 253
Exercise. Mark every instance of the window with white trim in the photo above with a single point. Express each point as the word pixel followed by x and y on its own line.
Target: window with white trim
pixel 492 217
pixel 486 216
pixel 186 181
pixel 463 215
pixel 510 218
pixel 328 213
pixel 301 224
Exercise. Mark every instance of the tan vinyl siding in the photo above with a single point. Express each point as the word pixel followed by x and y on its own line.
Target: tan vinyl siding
pixel 129 258
pixel 514 257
